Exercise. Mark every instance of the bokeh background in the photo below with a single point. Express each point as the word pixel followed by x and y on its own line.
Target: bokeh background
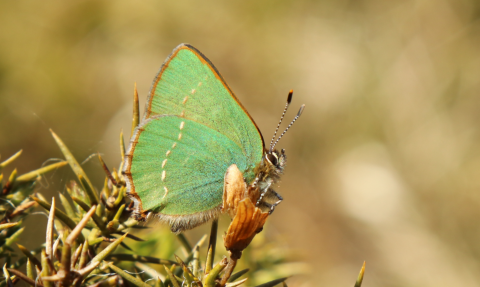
pixel 383 165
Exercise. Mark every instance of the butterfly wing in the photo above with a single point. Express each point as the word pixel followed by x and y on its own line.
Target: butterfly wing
pixel 194 128
pixel 188 85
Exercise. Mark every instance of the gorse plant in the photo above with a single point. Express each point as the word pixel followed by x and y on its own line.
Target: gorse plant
pixel 82 237
pixel 82 241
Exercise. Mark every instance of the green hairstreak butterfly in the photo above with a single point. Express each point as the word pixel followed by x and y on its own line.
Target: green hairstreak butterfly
pixel 193 130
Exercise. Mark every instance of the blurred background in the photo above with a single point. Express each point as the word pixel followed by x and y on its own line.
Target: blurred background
pixel 383 165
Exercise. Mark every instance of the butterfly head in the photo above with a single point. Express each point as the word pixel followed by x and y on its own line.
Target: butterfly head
pixel 276 160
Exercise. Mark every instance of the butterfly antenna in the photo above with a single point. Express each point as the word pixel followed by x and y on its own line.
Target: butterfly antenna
pixel 289 100
pixel 294 119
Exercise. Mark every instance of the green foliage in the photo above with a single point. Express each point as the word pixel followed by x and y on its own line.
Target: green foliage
pixel 82 240
pixel 83 236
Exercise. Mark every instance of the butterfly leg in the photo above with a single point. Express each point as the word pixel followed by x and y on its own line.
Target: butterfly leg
pixel 277 202
pixel 261 197
pixel 270 199
pixel 264 189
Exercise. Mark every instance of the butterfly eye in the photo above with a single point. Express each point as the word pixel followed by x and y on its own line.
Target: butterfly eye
pixel 272 158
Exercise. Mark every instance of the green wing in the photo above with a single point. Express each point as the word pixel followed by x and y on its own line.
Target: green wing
pixel 194 128
pixel 188 85
pixel 179 165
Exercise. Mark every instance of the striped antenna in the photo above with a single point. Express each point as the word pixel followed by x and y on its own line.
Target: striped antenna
pixel 294 119
pixel 289 100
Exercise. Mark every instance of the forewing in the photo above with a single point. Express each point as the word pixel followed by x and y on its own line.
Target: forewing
pixel 189 86
pixel 177 165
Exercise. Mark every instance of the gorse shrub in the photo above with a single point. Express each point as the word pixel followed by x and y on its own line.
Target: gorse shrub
pixel 87 226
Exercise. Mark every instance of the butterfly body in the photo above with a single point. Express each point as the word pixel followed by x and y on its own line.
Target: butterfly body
pixel 193 130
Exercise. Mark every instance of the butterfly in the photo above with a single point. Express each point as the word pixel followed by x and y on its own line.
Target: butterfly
pixel 193 130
